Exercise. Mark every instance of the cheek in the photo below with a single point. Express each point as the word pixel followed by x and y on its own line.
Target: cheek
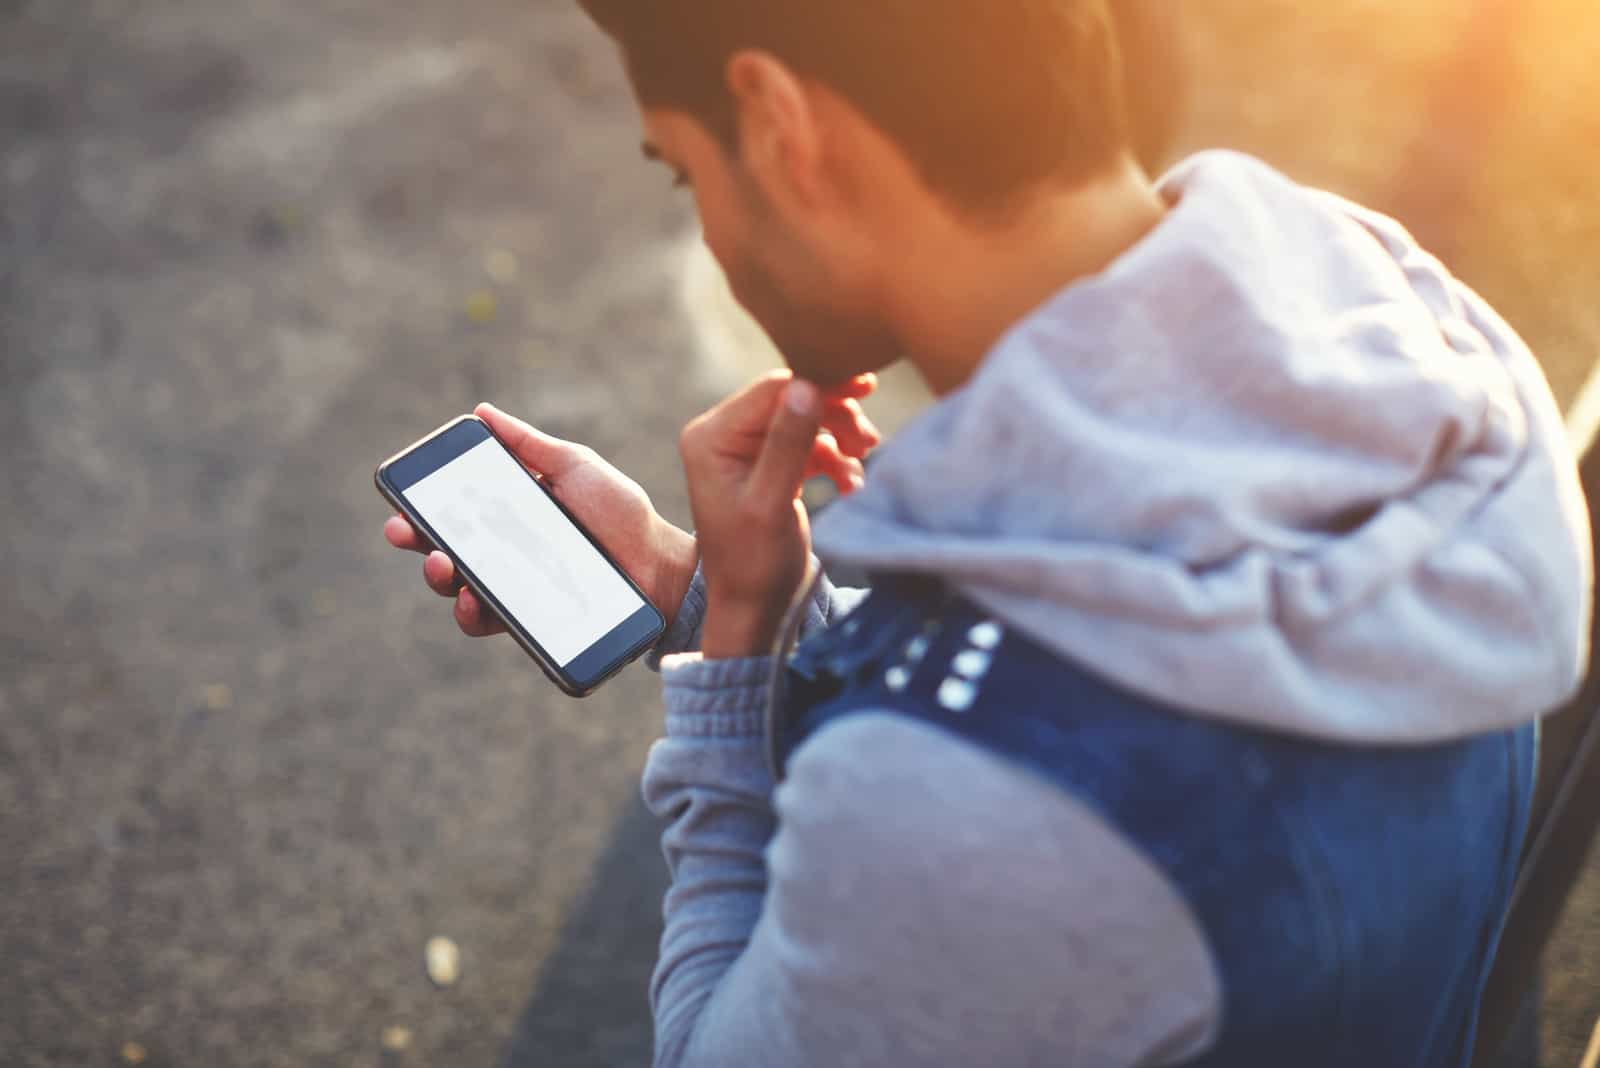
pixel 721 223
pixel 752 287
pixel 725 238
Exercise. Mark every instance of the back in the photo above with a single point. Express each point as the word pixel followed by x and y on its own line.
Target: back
pixel 1350 896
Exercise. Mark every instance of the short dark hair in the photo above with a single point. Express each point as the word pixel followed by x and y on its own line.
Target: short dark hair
pixel 986 97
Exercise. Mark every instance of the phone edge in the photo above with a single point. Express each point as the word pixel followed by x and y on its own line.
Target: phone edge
pixel 393 498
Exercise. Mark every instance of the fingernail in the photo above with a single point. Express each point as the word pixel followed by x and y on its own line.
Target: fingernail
pixel 801 397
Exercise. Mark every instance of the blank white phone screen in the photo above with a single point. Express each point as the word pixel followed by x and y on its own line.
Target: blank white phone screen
pixel 525 551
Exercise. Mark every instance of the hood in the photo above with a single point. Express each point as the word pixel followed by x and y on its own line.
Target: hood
pixel 1274 466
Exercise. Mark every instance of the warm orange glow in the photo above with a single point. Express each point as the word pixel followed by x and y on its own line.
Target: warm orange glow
pixel 1477 121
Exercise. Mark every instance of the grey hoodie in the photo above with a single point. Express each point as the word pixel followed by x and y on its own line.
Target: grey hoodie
pixel 1274 466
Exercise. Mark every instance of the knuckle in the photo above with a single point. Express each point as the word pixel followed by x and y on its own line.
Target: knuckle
pixel 689 440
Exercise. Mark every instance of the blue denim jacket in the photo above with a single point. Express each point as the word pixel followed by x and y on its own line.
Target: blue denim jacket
pixel 1352 897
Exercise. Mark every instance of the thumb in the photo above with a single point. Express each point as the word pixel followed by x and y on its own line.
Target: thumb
pixel 538 451
pixel 781 467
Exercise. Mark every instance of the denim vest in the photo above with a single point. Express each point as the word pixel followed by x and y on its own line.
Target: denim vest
pixel 1351 896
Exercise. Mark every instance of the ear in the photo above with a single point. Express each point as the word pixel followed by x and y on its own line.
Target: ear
pixel 780 142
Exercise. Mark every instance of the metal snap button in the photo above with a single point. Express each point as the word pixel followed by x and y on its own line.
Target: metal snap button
pixel 957 695
pixel 986 635
pixel 972 664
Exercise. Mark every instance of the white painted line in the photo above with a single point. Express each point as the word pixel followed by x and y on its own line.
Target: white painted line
pixel 1592 1057
pixel 1583 418
pixel 732 348
pixel 314 119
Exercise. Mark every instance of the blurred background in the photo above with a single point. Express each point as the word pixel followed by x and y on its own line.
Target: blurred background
pixel 248 767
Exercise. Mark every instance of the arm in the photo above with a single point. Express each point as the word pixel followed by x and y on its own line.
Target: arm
pixel 828 603
pixel 902 898
pixel 661 558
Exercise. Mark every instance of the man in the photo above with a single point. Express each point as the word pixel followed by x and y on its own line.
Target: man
pixel 1190 719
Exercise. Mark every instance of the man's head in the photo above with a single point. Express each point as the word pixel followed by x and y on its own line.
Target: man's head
pixel 810 129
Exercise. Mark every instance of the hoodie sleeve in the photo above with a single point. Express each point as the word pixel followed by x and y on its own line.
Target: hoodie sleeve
pixel 901 898
pixel 828 602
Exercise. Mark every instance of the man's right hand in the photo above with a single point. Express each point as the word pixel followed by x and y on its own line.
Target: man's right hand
pixel 657 555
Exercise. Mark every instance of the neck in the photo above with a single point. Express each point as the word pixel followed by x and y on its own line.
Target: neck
pixel 956 287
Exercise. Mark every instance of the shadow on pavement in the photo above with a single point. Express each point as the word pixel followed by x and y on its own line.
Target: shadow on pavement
pixel 591 1007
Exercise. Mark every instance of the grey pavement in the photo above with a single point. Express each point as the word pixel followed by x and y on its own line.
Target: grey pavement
pixel 247 765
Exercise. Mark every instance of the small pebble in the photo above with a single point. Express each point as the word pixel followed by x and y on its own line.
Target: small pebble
pixel 501 266
pixel 133 1053
pixel 444 961
pixel 397 1039
pixel 482 307
pixel 219 697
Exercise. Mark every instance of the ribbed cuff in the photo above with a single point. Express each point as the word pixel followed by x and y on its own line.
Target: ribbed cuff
pixel 684 634
pixel 716 698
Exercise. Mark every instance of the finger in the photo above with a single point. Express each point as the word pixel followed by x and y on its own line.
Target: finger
pixel 845 420
pixel 825 452
pixel 738 426
pixel 846 480
pixel 857 388
pixel 440 574
pixel 402 535
pixel 827 461
pixel 792 433
pixel 538 451
pixel 749 412
pixel 473 620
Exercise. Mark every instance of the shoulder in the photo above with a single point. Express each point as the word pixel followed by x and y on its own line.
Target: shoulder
pixel 918 863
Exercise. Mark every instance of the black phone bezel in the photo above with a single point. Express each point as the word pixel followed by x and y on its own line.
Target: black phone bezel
pixel 616 650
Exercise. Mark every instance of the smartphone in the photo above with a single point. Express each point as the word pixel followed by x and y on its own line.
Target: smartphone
pixel 566 602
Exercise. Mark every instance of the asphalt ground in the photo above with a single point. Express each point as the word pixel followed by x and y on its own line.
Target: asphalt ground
pixel 247 765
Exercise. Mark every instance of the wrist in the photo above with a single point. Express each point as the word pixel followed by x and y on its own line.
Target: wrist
pixel 736 630
pixel 678 556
